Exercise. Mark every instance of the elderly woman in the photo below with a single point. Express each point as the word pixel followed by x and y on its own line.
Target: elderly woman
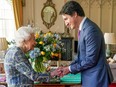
pixel 19 72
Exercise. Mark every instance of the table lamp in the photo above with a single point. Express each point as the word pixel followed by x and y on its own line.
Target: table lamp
pixel 109 39
pixel 3 46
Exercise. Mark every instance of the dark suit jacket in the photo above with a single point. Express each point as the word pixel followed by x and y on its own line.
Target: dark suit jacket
pixel 91 58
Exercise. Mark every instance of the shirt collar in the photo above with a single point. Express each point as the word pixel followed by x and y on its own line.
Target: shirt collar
pixel 81 24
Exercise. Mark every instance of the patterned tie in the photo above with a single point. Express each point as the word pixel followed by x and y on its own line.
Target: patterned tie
pixel 78 42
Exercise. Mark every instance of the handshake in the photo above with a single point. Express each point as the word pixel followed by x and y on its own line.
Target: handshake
pixel 60 72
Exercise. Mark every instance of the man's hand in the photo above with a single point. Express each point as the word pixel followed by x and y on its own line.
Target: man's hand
pixel 64 71
pixel 61 71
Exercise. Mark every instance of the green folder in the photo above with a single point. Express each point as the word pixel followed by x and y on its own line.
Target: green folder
pixel 71 78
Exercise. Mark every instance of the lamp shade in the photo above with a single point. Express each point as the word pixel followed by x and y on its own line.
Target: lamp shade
pixel 110 38
pixel 3 44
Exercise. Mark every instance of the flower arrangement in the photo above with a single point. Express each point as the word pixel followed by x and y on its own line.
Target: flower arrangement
pixel 48 47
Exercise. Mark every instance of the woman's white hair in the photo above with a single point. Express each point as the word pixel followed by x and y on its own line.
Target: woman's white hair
pixel 23 34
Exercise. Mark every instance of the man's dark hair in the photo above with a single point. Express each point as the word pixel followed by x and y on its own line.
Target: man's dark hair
pixel 72 6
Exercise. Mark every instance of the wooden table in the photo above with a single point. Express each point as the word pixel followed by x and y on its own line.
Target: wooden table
pixel 3 83
pixel 57 85
pixel 51 85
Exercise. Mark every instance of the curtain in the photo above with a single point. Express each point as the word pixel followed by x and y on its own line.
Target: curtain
pixel 18 12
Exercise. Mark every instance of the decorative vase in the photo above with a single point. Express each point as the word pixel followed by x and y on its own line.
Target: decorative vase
pixel 41 66
pixel 38 66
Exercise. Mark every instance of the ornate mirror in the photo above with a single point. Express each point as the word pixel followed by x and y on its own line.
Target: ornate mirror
pixel 49 14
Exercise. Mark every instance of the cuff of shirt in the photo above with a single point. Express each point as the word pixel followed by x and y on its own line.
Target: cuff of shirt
pixel 69 68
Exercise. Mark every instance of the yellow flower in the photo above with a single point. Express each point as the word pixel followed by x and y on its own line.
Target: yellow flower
pixel 41 42
pixel 54 44
pixel 56 54
pixel 52 54
pixel 44 35
pixel 42 53
pixel 49 33
pixel 36 35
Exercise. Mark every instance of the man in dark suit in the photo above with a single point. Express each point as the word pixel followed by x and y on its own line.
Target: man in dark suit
pixel 91 58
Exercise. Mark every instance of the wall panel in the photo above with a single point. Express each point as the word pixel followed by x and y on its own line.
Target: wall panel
pixel 102 12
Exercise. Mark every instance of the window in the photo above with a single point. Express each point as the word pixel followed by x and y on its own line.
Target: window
pixel 7 22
